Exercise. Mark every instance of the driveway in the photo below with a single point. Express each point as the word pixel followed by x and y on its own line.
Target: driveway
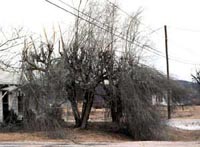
pixel 96 144
pixel 184 124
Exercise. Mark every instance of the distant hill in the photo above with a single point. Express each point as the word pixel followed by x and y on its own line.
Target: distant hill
pixel 187 84
pixel 193 92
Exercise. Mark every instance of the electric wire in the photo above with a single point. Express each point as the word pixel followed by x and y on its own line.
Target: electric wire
pixel 146 47
pixel 102 28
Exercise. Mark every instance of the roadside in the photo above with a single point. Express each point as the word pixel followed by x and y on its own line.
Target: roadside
pixel 101 144
pixel 100 133
pixel 106 131
pixel 96 132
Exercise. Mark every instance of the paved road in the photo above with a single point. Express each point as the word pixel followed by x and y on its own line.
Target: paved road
pixel 124 144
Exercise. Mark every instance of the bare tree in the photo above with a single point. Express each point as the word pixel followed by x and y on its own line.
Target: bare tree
pixel 197 77
pixel 96 54
pixel 10 41
pixel 41 82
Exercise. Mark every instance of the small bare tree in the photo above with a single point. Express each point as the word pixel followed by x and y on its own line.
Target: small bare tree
pixel 10 41
pixel 196 77
pixel 42 85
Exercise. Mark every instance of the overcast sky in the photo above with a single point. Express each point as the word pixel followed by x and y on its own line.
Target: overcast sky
pixel 181 17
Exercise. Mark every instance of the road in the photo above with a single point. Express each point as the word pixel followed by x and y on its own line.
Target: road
pixel 124 144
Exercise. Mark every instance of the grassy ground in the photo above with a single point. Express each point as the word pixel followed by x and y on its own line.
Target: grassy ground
pixel 186 112
pixel 96 132
pixel 182 135
pixel 106 131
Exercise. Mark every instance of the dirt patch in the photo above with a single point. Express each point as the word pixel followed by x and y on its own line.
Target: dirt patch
pixel 182 135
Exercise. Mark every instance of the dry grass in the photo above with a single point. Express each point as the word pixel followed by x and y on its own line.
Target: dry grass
pixel 95 115
pixel 22 136
pixel 96 132
pixel 187 112
pixel 182 135
pixel 99 132
pixel 107 132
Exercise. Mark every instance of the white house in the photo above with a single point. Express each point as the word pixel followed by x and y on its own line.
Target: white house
pixel 10 95
pixel 10 99
pixel 159 100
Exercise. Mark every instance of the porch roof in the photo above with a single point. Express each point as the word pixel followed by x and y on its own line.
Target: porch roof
pixel 9 88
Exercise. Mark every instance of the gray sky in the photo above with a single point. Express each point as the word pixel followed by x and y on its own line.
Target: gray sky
pixel 181 17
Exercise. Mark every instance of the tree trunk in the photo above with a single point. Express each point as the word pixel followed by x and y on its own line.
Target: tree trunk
pixel 85 101
pixel 116 110
pixel 75 113
pixel 113 111
pixel 89 97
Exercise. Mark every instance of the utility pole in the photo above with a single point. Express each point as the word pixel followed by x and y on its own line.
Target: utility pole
pixel 112 26
pixel 167 63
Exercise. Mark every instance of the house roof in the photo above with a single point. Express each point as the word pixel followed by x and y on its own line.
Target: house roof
pixel 10 88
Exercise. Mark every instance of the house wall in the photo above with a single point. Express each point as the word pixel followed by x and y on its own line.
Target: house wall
pixel 13 102
pixel 156 100
pixel 1 108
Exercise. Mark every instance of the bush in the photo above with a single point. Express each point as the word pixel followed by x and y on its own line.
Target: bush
pixel 140 117
pixel 11 118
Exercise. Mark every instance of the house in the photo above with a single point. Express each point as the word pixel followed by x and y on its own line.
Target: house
pixel 10 95
pixel 159 100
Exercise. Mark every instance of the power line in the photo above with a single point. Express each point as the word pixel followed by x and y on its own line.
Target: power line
pixel 116 6
pixel 185 29
pixel 153 31
pixel 117 35
pixel 146 47
pixel 177 45
pixel 170 58
pixel 181 60
pixel 82 13
pixel 156 30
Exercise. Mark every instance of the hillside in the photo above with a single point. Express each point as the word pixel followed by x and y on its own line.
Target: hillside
pixel 193 92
